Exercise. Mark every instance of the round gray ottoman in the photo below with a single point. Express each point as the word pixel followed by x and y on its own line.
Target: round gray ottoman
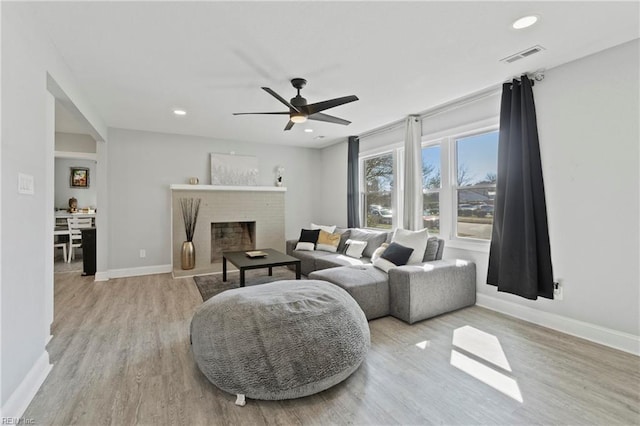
pixel 282 340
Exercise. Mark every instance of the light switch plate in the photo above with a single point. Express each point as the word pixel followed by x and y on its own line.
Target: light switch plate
pixel 25 184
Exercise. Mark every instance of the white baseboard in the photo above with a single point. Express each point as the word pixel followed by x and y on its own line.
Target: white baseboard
pixel 134 272
pixel 605 336
pixel 24 393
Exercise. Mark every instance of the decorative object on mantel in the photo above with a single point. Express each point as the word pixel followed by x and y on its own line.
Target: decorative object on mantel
pixel 231 169
pixel 73 205
pixel 194 181
pixel 190 208
pixel 279 175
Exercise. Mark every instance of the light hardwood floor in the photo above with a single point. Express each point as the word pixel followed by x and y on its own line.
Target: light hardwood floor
pixel 121 356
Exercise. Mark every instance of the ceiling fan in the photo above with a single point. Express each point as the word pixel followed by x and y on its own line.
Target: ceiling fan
pixel 300 111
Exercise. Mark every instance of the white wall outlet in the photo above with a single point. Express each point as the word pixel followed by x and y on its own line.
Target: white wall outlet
pixel 558 290
pixel 143 253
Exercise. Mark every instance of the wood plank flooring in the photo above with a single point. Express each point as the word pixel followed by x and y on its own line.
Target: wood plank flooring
pixel 121 356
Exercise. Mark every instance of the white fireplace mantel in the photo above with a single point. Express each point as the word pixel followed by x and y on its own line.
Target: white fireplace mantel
pixel 262 205
pixel 187 187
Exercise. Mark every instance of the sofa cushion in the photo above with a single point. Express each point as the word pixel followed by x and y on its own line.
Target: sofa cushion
pixel 345 234
pixel 308 259
pixel 431 253
pixel 355 248
pixel 397 254
pixel 328 242
pixel 417 240
pixel 367 285
pixel 337 259
pixel 309 236
pixel 326 228
pixel 305 246
pixel 374 239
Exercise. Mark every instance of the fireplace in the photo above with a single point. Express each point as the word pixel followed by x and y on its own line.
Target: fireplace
pixel 231 236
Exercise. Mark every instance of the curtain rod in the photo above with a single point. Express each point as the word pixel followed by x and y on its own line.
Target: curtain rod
pixel 451 105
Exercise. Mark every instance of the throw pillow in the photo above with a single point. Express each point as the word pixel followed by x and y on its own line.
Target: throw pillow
pixel 326 228
pixel 417 240
pixel 328 241
pixel 431 252
pixel 374 239
pixel 383 264
pixel 397 254
pixel 345 234
pixel 305 246
pixel 376 254
pixel 355 248
pixel 309 236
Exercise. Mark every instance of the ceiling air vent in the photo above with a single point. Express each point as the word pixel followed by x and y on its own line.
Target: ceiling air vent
pixel 520 55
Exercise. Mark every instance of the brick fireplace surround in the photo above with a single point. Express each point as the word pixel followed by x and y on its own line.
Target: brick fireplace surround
pixel 263 205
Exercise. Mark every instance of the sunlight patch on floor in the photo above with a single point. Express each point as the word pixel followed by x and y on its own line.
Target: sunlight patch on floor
pixel 487 361
pixel 424 344
pixel 481 344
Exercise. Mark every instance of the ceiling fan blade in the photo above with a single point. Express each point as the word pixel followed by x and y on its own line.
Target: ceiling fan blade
pixel 270 113
pixel 318 116
pixel 289 125
pixel 321 106
pixel 280 98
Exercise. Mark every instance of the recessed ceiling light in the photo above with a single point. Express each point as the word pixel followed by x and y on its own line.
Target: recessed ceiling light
pixel 179 112
pixel 308 130
pixel 525 21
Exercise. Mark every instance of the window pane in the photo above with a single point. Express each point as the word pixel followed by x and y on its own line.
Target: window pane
pixel 475 212
pixel 378 178
pixel 477 159
pixel 431 167
pixel 431 213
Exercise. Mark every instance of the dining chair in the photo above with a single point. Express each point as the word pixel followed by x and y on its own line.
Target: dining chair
pixel 76 224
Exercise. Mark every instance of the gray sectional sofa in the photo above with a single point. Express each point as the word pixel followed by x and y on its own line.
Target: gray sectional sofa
pixel 411 292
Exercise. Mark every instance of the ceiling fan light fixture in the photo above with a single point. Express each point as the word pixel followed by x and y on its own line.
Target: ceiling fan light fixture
pixel 298 118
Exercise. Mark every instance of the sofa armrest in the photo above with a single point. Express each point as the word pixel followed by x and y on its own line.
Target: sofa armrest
pixel 291 245
pixel 418 292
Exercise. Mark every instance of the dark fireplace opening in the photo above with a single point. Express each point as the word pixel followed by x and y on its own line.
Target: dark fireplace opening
pixel 231 236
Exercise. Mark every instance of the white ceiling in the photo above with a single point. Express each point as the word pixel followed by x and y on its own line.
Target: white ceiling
pixel 136 61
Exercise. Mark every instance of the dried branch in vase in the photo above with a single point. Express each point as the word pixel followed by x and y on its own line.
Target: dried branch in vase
pixel 190 208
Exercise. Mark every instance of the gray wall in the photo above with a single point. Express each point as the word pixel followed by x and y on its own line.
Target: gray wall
pixel 588 124
pixel 142 165
pixel 26 255
pixel 87 197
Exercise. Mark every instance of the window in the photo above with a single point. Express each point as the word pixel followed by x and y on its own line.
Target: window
pixel 378 191
pixel 431 184
pixel 475 186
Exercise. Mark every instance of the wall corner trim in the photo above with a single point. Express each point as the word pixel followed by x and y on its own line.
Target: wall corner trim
pixel 24 393
pixel 605 336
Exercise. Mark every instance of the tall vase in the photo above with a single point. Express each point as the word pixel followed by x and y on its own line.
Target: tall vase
pixel 188 255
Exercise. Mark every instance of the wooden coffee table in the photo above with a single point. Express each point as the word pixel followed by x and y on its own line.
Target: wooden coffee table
pixel 240 260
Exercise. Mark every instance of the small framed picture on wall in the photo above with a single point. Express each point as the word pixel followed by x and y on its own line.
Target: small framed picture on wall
pixel 79 177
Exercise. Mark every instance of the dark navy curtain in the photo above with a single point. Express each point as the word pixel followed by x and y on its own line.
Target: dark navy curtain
pixel 353 190
pixel 520 254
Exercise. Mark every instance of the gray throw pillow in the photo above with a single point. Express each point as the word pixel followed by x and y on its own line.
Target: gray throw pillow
pixel 432 249
pixel 374 239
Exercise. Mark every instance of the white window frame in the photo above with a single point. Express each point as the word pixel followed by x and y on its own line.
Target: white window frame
pixel 438 142
pixel 449 176
pixel 398 183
